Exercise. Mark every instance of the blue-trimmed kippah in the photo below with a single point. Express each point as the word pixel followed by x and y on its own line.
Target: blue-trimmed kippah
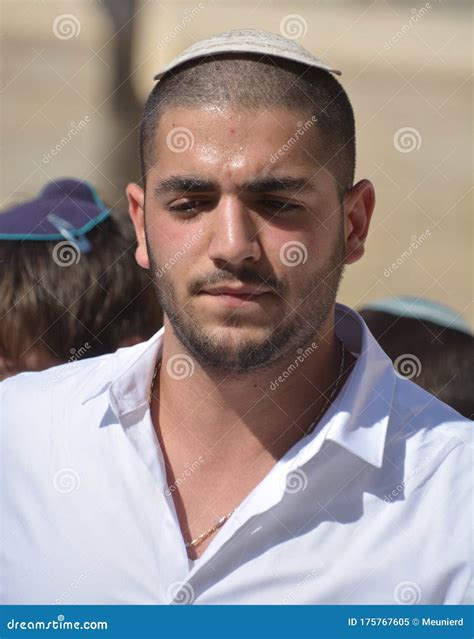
pixel 64 209
pixel 419 308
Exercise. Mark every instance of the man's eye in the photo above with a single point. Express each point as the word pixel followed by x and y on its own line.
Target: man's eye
pixel 189 206
pixel 281 207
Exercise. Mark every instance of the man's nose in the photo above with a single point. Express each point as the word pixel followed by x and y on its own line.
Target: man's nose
pixel 234 233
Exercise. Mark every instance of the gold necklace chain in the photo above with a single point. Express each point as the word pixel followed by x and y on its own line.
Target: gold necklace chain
pixel 333 392
pixel 200 538
pixel 195 542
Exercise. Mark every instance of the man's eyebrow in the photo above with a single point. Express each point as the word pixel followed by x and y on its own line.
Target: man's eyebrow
pixel 184 183
pixel 269 184
pixel 273 183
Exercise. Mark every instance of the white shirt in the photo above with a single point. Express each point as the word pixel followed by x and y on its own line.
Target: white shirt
pixel 374 507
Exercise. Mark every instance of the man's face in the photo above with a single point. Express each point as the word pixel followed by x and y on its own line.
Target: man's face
pixel 238 198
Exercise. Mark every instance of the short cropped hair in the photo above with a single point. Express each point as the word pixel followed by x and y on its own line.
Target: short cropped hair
pixel 102 300
pixel 255 82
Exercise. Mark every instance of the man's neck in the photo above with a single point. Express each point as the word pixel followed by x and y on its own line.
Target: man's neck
pixel 221 435
pixel 262 414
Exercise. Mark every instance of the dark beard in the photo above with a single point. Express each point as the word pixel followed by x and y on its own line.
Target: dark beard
pixel 298 328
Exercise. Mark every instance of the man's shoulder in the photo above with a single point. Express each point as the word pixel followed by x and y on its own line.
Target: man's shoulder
pixel 56 380
pixel 423 409
pixel 60 386
pixel 427 426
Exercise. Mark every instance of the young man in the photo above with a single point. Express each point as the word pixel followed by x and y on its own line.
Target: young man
pixel 260 448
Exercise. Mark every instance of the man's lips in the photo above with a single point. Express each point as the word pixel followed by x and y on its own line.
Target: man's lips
pixel 236 296
pixel 241 291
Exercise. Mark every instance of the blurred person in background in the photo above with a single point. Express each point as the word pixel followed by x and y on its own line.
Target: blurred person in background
pixel 429 343
pixel 69 284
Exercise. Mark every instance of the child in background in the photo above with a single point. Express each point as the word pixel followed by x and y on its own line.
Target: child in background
pixel 69 283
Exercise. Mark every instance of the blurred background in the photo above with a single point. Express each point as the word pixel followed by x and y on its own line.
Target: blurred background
pixel 75 74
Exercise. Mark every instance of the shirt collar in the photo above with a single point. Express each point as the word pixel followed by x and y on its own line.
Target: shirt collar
pixel 357 420
pixel 360 416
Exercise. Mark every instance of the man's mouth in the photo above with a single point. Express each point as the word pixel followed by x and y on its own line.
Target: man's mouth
pixel 236 296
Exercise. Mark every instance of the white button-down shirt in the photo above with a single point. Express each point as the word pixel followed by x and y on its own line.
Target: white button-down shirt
pixel 374 507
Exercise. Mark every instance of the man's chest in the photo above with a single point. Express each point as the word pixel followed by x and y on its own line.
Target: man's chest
pixel 111 548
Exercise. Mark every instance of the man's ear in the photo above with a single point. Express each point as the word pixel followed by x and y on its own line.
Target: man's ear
pixel 136 209
pixel 359 203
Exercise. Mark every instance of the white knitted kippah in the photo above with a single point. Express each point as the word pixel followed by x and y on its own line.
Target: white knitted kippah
pixel 248 41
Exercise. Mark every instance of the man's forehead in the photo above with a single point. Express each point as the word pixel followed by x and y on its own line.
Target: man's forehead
pixel 251 143
pixel 237 135
pixel 223 114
